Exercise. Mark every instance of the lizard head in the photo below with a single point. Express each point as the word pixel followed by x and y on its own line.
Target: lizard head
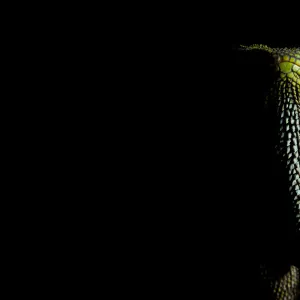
pixel 287 60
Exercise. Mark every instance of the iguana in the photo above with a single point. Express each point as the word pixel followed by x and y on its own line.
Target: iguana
pixel 282 279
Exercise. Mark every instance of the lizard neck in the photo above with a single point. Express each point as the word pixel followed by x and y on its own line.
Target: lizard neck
pixel 288 140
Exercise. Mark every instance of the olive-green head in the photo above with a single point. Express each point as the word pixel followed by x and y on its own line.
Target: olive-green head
pixel 287 60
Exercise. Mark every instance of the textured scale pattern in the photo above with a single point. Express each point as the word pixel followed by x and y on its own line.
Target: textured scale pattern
pixel 289 137
pixel 284 288
pixel 285 93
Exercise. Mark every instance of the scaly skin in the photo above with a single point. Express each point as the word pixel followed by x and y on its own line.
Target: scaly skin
pixel 285 94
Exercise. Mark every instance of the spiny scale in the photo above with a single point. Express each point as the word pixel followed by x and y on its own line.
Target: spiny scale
pixel 286 95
